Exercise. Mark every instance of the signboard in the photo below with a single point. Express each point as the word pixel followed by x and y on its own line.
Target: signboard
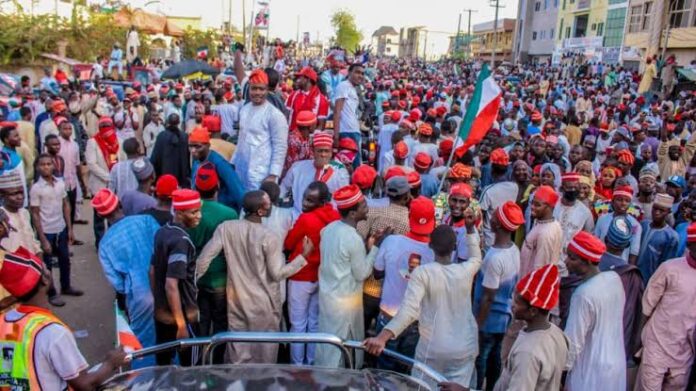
pixel 583 42
pixel 611 55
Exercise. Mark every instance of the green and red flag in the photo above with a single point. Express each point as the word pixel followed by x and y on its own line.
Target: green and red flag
pixel 482 110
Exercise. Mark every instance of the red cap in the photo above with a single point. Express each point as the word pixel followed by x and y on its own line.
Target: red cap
pixel 691 233
pixel 400 150
pixel 212 123
pixel 306 118
pixel 547 195
pixel 58 106
pixel 258 76
pixel 542 287
pixel 104 202
pixel 425 129
pixel 8 124
pixel 59 120
pixel 500 157
pixel 402 104
pixel 229 96
pixel 625 191
pixel 166 185
pixel 309 73
pixel 414 115
pixel 460 189
pixel 446 146
pixel 105 122
pixel 199 135
pixel 322 140
pixel 364 176
pixel 422 160
pixel 510 216
pixel 414 179
pixel 395 116
pixel 570 177
pixel 394 171
pixel 206 177
pixel 347 196
pixel 587 246
pixel 185 199
pixel 421 216
pixel 536 116
pixel 21 271
pixel 626 157
pixel 348 143
pixel 459 170
pixel 441 111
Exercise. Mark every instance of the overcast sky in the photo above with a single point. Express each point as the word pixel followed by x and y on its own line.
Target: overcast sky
pixel 437 15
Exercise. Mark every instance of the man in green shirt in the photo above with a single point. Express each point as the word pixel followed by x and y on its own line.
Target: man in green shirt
pixel 212 298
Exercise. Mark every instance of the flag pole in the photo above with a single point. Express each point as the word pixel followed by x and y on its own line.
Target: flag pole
pixel 118 339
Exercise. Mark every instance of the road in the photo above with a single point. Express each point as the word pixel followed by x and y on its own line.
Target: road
pixel 93 312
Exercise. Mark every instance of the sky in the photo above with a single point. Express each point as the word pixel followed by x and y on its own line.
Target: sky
pixel 439 16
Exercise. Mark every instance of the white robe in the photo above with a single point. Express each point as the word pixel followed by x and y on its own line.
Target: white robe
pixel 262 145
pixel 596 357
pixel 302 173
pixel 344 266
pixel 439 298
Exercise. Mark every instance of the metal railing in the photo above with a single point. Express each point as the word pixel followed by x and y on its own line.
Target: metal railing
pixel 209 345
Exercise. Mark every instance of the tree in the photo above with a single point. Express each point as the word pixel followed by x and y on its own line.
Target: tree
pixel 347 34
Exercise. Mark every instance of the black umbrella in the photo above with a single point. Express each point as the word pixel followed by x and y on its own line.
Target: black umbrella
pixel 188 67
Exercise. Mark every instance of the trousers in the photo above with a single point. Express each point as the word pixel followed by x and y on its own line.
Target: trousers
pixel 303 308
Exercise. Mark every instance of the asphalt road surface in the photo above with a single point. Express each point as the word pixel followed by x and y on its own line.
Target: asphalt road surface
pixel 91 317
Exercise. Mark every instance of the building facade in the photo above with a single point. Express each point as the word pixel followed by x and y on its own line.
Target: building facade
pixel 657 25
pixel 536 31
pixel 385 40
pixel 484 37
pixel 412 41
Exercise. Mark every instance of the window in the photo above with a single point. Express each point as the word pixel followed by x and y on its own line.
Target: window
pixel 600 29
pixel 534 35
pixel 537 6
pixel 568 32
pixel 555 3
pixel 560 29
pixel 647 9
pixel 546 4
pixel 634 20
pixel 551 33
pixel 680 11
pixel 594 26
pixel 614 27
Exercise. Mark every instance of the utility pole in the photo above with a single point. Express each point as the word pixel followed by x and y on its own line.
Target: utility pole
pixel 456 39
pixel 244 36
pixel 468 34
pixel 297 30
pixel 495 4
pixel 229 19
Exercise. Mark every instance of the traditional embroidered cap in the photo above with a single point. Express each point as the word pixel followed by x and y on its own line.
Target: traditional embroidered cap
pixel 59 120
pixel 400 150
pixel 425 129
pixel 414 179
pixel 536 116
pixel 421 216
pixel 199 135
pixel 364 176
pixel 625 191
pixel 691 233
pixel 10 180
pixel 422 160
pixel 570 177
pixel 394 171
pixel 395 116
pixel 587 246
pixel 347 196
pixel 258 76
pixel 206 177
pixel 8 124
pixel 142 168
pixel 212 123
pixel 510 216
pixel 677 181
pixel 460 171
pixel 541 287
pixel 306 118
pixel 185 199
pixel 500 157
pixel 664 200
pixel 21 271
pixel 166 185
pixel 626 157
pixel 619 233
pixel 547 195
pixel 460 189
pixel 104 202
pixel 322 140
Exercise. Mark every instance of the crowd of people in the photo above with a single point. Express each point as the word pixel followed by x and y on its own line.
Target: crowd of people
pixel 334 195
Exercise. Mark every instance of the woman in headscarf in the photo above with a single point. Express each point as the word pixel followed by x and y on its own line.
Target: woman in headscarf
pixel 587 182
pixel 604 188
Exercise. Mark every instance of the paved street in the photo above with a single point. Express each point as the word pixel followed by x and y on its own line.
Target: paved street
pixel 92 312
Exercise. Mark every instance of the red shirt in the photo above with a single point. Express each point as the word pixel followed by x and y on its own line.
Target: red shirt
pixel 298 101
pixel 309 224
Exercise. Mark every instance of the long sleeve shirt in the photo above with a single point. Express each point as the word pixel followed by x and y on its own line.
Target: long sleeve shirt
pixel 542 245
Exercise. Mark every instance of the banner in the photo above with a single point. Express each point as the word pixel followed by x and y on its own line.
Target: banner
pixel 262 17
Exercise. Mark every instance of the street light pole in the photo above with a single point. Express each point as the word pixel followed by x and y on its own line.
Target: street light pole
pixel 456 40
pixel 468 34
pixel 497 6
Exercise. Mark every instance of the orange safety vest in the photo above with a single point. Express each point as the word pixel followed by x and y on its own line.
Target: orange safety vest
pixel 17 371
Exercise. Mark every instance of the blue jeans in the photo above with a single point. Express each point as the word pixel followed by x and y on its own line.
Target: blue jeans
pixel 404 344
pixel 488 362
pixel 59 249
pixel 357 137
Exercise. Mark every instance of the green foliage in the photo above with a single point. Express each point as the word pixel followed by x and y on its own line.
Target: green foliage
pixel 347 34
pixel 194 39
